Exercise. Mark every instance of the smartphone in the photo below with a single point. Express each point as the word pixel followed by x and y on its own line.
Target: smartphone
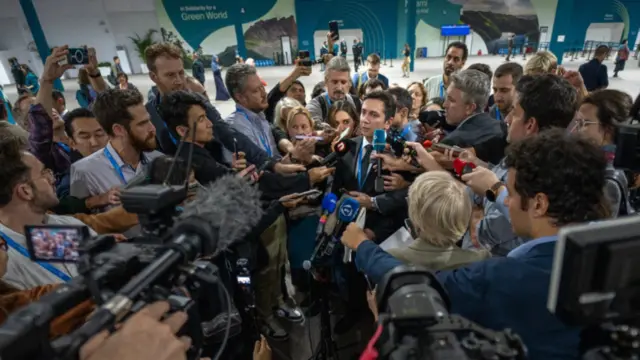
pixel 333 29
pixel 303 137
pixel 305 58
pixel 55 243
pixel 442 147
pixel 243 280
pixel 308 193
pixel 78 56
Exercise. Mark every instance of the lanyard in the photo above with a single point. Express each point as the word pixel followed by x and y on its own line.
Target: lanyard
pixel 405 131
pixel 264 139
pixel 47 266
pixel 64 147
pixel 326 97
pixel 442 89
pixel 498 114
pixel 115 165
pixel 360 170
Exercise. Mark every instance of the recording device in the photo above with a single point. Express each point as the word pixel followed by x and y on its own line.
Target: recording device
pixel 342 147
pixel 78 56
pixel 328 206
pixel 313 193
pixel 122 277
pixel 305 58
pixel 333 29
pixel 304 137
pixel 433 118
pixel 627 138
pixel 461 167
pixel 415 323
pixel 379 143
pixel 595 281
pixel 55 243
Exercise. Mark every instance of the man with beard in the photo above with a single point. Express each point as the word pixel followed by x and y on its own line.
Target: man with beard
pixel 505 79
pixel 27 192
pixel 130 150
pixel 454 60
pixel 337 81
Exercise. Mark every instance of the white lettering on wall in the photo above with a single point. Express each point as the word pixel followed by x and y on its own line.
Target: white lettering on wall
pixel 207 15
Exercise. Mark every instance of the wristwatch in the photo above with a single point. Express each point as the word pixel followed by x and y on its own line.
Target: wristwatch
pixel 492 193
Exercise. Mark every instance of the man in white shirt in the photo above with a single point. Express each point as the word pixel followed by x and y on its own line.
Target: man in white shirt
pixel 454 59
pixel 27 192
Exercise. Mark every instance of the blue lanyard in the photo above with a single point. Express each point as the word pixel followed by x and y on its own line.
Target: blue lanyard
pixel 405 131
pixel 175 142
pixel 115 165
pixel 48 266
pixel 442 89
pixel 498 115
pixel 360 170
pixel 64 147
pixel 264 139
pixel 326 97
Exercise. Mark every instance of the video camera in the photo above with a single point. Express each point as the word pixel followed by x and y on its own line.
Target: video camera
pixel 595 284
pixel 415 323
pixel 121 278
pixel 627 140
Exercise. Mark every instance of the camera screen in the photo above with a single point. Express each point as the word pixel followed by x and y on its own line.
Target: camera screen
pixel 55 244
pixel 244 280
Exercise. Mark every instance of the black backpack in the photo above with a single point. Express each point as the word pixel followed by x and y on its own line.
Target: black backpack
pixel 620 179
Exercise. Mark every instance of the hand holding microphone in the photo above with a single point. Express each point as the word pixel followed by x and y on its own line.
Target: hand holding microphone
pixel 379 144
pixel 353 236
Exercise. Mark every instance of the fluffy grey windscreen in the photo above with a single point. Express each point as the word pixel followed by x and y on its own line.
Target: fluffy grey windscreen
pixel 230 204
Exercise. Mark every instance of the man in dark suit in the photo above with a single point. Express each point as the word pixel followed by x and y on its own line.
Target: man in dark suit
pixel 594 72
pixel 356 173
pixel 466 100
pixel 539 203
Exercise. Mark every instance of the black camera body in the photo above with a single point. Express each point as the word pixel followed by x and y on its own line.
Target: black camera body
pixel 417 324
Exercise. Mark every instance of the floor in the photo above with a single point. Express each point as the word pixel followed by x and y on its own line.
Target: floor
pixel 628 81
pixel 306 336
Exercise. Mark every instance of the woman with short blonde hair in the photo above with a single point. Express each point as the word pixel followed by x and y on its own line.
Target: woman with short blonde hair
pixel 440 211
pixel 281 112
pixel 543 62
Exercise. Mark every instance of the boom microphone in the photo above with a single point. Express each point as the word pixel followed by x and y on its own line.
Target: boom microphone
pixel 379 143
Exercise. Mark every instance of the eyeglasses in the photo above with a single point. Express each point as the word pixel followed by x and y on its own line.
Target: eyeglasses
pixel 582 123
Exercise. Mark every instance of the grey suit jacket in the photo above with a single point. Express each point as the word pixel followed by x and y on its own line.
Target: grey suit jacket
pixel 437 258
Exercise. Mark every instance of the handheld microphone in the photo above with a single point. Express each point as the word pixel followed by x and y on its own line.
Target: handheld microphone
pixel 329 203
pixel 342 147
pixel 379 142
pixel 347 213
pixel 324 243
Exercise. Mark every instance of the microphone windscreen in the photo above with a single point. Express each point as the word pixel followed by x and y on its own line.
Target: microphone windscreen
pixel 230 205
pixel 379 140
pixel 332 220
pixel 348 210
pixel 329 203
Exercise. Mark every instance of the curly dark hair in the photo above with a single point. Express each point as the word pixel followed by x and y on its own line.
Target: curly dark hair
pixel 568 169
pixel 550 99
pixel 13 170
pixel 175 106
pixel 112 107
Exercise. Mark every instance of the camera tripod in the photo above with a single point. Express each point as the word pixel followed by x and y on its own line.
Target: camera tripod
pixel 327 347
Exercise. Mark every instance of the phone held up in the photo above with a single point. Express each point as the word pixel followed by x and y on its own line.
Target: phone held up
pixel 76 56
pixel 305 58
pixel 333 29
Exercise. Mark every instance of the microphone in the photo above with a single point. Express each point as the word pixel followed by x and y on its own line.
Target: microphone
pixel 342 147
pixel 323 239
pixel 347 213
pixel 329 203
pixel 379 142
pixel 230 207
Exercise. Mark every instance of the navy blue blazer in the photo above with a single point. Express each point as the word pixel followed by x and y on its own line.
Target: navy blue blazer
pixel 498 293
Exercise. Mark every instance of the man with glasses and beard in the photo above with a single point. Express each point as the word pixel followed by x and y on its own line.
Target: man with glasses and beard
pixel 27 192
pixel 130 150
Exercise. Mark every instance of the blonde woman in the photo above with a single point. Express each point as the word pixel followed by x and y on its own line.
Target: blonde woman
pixel 281 112
pixel 543 62
pixel 439 210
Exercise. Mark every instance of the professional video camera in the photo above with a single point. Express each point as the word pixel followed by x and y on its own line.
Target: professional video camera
pixel 123 277
pixel 415 324
pixel 595 284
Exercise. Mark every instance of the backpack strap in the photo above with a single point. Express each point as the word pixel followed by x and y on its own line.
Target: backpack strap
pixel 324 106
pixel 620 179
pixel 358 104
